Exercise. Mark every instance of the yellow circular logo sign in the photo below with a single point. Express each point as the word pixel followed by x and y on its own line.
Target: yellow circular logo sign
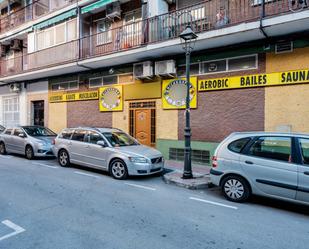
pixel 111 98
pixel 176 91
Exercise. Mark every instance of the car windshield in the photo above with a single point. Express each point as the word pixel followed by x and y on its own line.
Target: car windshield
pixel 117 139
pixel 39 131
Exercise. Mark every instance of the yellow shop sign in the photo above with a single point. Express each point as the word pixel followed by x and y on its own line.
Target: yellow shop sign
pixel 111 98
pixel 65 97
pixel 174 93
pixel 258 80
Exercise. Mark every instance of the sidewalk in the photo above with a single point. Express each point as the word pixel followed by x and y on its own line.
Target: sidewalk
pixel 201 178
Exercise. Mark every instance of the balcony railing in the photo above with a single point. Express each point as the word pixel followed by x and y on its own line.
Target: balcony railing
pixel 31 12
pixel 209 15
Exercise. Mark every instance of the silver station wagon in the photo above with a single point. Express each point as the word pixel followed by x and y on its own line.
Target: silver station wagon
pixel 109 149
pixel 268 164
pixel 31 141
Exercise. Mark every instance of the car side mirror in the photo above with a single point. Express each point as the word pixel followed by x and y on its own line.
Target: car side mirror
pixel 22 135
pixel 102 143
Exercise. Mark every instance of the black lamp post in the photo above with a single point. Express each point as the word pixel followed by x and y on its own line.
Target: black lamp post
pixel 188 38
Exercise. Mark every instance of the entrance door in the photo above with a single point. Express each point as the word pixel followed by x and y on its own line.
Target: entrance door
pixel 143 126
pixel 38 112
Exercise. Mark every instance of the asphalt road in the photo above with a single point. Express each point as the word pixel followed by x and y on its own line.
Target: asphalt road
pixel 44 206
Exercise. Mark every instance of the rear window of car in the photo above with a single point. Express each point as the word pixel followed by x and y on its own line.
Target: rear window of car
pixel 66 134
pixel 238 145
pixel 304 145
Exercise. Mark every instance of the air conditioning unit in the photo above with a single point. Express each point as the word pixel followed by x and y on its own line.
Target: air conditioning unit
pixel 16 45
pixel 165 68
pixel 15 88
pixel 143 70
pixel 113 10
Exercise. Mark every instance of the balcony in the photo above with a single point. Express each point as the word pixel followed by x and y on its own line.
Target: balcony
pixel 31 12
pixel 236 22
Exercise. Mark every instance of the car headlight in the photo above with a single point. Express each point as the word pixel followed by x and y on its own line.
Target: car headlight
pixel 42 143
pixel 138 160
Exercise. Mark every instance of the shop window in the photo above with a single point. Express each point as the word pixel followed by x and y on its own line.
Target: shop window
pixel 194 69
pixel 104 33
pixel 10 111
pixel 214 66
pixel 71 85
pixel 242 63
pixel 95 82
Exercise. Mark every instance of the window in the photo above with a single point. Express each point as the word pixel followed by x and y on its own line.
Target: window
pixel 70 85
pixel 110 80
pixel 132 24
pixel 304 145
pixel 10 111
pixel 66 134
pixel 8 131
pixel 242 63
pixel 194 69
pixel 79 135
pixel 214 66
pixel 60 31
pixel 55 35
pixel 95 82
pixel 238 145
pixel 277 148
pixel 17 132
pixel 94 137
pixel 118 139
pixel 104 34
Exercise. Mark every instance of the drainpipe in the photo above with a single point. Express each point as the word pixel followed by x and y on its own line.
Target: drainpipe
pixel 262 15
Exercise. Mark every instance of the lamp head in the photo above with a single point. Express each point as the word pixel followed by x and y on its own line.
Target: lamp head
pixel 188 34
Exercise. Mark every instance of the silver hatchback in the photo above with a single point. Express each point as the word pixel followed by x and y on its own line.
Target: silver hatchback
pixel 268 164
pixel 109 149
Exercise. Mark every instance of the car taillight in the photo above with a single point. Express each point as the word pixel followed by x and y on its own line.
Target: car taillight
pixel 53 142
pixel 214 161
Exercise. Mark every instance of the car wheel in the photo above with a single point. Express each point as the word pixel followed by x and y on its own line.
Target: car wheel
pixel 63 158
pixel 29 152
pixel 2 149
pixel 118 169
pixel 235 189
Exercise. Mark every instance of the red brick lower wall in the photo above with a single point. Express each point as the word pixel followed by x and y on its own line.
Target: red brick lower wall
pixel 87 113
pixel 220 113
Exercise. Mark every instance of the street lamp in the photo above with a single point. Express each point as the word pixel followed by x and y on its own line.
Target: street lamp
pixel 188 38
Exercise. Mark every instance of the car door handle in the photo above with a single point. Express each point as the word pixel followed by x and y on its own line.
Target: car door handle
pixel 87 146
pixel 248 162
pixel 69 143
pixel 306 173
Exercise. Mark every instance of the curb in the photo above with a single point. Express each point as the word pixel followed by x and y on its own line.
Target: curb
pixel 175 179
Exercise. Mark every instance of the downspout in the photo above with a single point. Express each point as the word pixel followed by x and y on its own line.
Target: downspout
pixel 262 15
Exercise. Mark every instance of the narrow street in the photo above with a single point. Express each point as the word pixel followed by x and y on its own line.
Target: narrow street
pixel 48 207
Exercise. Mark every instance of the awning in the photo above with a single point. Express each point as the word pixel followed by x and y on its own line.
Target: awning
pixel 17 35
pixel 96 5
pixel 56 19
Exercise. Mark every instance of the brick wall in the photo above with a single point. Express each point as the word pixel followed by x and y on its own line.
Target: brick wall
pixel 220 113
pixel 86 113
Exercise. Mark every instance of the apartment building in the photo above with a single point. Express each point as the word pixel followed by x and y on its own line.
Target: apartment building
pixel 114 63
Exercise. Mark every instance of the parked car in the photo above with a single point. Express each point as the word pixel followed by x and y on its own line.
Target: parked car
pixel 31 141
pixel 109 149
pixel 2 128
pixel 268 164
